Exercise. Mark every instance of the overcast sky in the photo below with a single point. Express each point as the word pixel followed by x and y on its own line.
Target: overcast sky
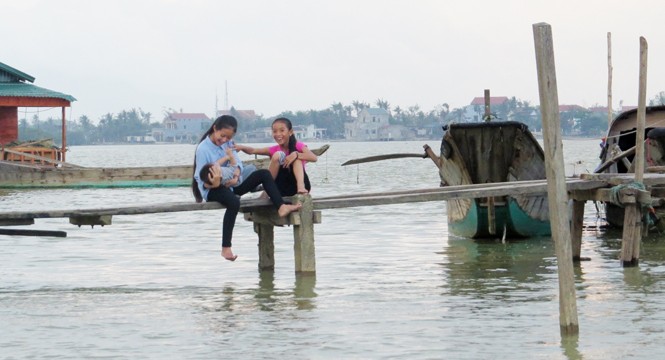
pixel 307 54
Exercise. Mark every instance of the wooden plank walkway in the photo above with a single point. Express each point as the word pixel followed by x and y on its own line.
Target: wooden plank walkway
pixel 533 187
pixel 264 217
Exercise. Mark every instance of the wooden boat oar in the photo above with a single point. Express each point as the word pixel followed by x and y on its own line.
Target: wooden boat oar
pixel 384 157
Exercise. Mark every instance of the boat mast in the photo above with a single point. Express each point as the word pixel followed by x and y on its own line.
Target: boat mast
pixel 488 114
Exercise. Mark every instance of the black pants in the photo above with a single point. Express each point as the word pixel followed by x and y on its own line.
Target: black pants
pixel 231 199
pixel 286 182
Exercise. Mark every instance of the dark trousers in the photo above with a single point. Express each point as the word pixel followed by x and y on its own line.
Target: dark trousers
pixel 287 184
pixel 231 199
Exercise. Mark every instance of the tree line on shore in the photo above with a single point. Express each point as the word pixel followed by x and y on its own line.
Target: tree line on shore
pixel 116 128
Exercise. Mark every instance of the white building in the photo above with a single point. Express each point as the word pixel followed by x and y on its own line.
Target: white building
pixel 367 126
pixel 182 128
pixel 309 132
pixel 475 111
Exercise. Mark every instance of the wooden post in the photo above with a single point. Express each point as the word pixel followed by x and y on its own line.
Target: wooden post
pixel 576 224
pixel 491 216
pixel 491 211
pixel 632 218
pixel 266 245
pixel 303 235
pixel 64 136
pixel 556 181
pixel 488 111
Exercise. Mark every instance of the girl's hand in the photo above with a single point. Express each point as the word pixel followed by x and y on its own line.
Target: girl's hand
pixel 215 176
pixel 243 148
pixel 232 182
pixel 290 159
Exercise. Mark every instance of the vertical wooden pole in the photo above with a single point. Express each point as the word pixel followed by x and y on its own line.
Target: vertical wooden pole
pixel 576 224
pixel 491 211
pixel 488 111
pixel 64 135
pixel 303 236
pixel 609 80
pixel 556 183
pixel 632 218
pixel 266 234
pixel 641 112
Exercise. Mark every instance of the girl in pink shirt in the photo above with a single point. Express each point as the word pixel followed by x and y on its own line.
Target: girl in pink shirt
pixel 287 159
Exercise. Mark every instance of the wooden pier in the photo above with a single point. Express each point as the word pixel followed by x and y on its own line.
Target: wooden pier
pixel 588 187
pixel 563 194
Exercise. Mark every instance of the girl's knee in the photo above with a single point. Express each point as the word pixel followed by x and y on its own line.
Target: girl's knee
pixel 278 157
pixel 233 204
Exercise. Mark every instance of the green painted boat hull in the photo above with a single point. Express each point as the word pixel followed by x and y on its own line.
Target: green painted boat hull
pixel 511 217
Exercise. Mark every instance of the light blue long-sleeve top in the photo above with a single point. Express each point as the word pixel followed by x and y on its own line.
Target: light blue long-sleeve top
pixel 208 152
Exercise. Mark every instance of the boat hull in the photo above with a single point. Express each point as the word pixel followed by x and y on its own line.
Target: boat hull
pixel 510 221
pixel 496 152
pixel 14 176
pixel 617 155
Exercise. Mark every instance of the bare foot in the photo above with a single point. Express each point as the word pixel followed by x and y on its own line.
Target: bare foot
pixel 286 209
pixel 227 254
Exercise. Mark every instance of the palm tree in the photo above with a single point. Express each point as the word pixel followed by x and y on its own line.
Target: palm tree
pixel 383 104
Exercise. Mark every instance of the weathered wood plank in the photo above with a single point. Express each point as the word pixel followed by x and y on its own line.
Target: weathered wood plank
pixel 248 205
pixel 25 232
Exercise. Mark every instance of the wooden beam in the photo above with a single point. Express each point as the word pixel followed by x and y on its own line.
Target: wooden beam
pixel 24 232
pixel 303 238
pixel 18 101
pixel 91 220
pixel 11 222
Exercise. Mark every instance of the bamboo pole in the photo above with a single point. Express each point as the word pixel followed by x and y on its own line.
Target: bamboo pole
pixel 632 219
pixel 609 80
pixel 64 136
pixel 556 181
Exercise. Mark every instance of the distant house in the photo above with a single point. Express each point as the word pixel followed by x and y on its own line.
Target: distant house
pixel 475 111
pixel 309 132
pixel 240 115
pixel 182 128
pixel 367 125
pixel 301 132
pixel 571 108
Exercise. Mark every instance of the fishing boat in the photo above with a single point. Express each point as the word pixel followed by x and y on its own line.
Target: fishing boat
pixel 493 152
pixel 37 167
pixel 617 154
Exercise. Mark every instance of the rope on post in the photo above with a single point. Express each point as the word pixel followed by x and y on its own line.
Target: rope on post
pixel 614 193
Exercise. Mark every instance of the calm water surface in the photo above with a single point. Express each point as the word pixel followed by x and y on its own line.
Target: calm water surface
pixel 390 282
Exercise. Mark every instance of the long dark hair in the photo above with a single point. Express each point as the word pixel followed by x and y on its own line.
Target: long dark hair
pixel 222 122
pixel 292 138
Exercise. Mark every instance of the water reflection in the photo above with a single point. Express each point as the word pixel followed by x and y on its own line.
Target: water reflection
pixel 269 298
pixel 303 291
pixel 491 269
pixel 569 345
